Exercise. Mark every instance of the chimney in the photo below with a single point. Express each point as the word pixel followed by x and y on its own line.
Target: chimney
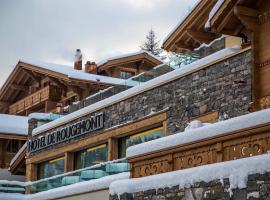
pixel 90 67
pixel 78 60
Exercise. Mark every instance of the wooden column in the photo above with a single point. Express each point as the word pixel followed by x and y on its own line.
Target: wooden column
pixel 31 172
pixel 69 161
pixel 112 148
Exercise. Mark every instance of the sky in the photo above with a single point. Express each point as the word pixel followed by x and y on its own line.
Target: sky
pixel 51 30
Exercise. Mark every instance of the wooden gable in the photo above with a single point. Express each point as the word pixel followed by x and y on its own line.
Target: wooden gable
pixel 191 32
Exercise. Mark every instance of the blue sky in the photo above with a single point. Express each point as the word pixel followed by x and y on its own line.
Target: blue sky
pixel 51 30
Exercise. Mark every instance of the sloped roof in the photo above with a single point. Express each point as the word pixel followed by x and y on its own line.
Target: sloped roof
pixel 128 58
pixel 190 32
pixel 26 72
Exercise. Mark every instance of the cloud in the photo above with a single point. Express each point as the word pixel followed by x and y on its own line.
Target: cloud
pixel 51 30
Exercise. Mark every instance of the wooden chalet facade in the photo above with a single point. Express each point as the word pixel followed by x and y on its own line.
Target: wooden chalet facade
pixel 44 87
pixel 35 87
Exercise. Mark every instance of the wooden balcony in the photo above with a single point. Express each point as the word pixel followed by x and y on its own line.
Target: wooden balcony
pixel 230 146
pixel 49 93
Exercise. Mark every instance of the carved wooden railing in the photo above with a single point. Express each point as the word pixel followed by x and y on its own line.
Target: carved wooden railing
pixel 231 146
pixel 49 93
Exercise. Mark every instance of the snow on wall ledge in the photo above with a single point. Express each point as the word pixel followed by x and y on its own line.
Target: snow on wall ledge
pixel 219 128
pixel 140 88
pixel 237 171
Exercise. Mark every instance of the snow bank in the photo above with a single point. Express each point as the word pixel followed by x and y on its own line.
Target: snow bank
pixel 10 196
pixel 213 12
pixel 75 74
pixel 12 124
pixel 237 171
pixel 211 130
pixel 203 45
pixel 139 88
pixel 78 188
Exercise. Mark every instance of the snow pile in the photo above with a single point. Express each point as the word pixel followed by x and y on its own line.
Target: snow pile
pixel 213 12
pixel 216 129
pixel 13 124
pixel 237 171
pixel 18 153
pixel 203 45
pixel 127 55
pixel 163 79
pixel 195 124
pixel 11 196
pixel 70 72
pixel 78 188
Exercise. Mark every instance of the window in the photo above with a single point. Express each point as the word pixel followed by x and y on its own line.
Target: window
pixel 126 75
pixel 91 156
pixel 138 138
pixel 13 146
pixel 51 168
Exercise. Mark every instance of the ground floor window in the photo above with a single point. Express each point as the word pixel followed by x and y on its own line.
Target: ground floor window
pixel 91 156
pixel 51 168
pixel 138 138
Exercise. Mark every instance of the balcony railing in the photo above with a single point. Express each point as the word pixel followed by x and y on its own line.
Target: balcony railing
pixel 85 174
pixel 51 93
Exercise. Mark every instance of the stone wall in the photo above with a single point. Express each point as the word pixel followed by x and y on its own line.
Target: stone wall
pixel 258 187
pixel 224 87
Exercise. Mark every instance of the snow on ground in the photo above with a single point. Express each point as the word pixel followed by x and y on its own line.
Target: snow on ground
pixel 127 55
pixel 211 130
pixel 140 88
pixel 213 12
pixel 12 124
pixel 75 74
pixel 237 171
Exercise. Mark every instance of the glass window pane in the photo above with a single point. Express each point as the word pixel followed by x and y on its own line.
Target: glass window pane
pixel 51 168
pixel 91 156
pixel 138 138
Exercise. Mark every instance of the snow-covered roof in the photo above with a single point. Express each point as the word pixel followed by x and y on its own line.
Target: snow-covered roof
pixel 12 124
pixel 70 72
pixel 102 62
pixel 188 12
pixel 236 170
pixel 213 12
pixel 211 130
pixel 139 88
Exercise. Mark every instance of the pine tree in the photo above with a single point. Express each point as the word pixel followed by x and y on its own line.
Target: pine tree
pixel 151 44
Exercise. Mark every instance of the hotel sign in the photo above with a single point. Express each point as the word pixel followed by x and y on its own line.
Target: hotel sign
pixel 71 131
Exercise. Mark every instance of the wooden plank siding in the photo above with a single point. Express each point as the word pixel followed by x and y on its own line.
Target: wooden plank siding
pixel 235 145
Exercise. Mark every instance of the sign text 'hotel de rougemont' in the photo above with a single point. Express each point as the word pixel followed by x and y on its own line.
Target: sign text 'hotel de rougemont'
pixel 70 131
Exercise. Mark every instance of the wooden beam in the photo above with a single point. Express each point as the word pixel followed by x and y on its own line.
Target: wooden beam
pixel 59 83
pixel 4 104
pixel 250 12
pixel 180 45
pixel 32 75
pixel 201 36
pixel 19 87
pixel 246 16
